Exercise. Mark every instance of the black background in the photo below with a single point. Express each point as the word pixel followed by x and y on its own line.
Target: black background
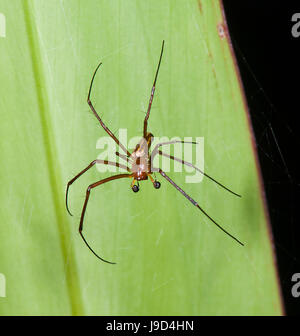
pixel 269 61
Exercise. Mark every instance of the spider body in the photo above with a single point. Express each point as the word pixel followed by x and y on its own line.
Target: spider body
pixel 141 164
pixel 141 160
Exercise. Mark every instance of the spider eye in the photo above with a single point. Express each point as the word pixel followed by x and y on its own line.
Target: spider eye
pixel 156 184
pixel 135 188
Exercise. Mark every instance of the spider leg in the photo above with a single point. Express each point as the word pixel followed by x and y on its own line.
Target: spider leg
pixel 163 174
pixel 91 186
pixel 87 168
pixel 107 130
pixel 155 150
pixel 191 165
pixel 124 157
pixel 152 92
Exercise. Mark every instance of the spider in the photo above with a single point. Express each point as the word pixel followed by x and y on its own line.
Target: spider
pixel 141 164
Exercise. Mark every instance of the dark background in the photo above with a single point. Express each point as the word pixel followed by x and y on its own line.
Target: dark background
pixel 269 61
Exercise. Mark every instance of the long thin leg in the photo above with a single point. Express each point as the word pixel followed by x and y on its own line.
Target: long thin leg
pixel 197 205
pixel 107 130
pixel 155 150
pixel 91 186
pixel 87 168
pixel 152 92
pixel 124 157
pixel 191 165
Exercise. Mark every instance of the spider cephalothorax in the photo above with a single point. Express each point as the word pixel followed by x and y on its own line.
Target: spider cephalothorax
pixel 141 164
pixel 140 161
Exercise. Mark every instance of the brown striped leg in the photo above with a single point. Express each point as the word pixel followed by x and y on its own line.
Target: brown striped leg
pixel 155 150
pixel 163 174
pixel 107 130
pixel 91 186
pixel 152 92
pixel 87 168
pixel 124 157
pixel 204 174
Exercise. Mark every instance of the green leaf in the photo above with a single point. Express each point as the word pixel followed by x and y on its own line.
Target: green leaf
pixel 171 259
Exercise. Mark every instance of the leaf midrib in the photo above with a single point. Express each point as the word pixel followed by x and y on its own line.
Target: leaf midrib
pixel 53 166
